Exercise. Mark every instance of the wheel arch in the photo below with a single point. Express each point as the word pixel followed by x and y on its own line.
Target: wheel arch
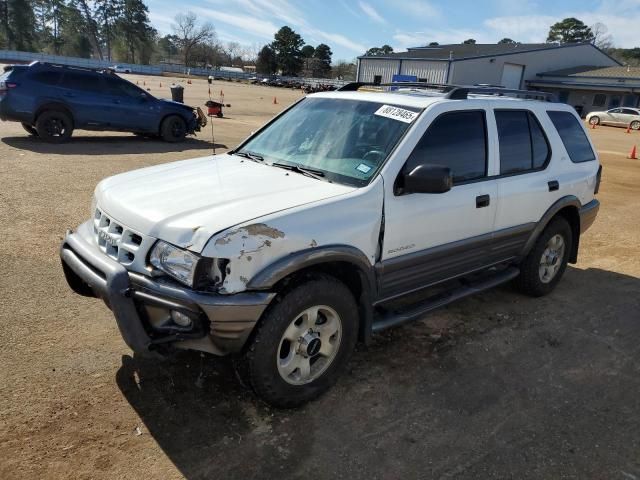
pixel 567 207
pixel 346 263
pixel 56 106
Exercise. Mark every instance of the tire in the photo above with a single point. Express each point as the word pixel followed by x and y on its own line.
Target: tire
pixel 545 264
pixel 275 362
pixel 54 126
pixel 30 129
pixel 595 120
pixel 174 129
pixel 635 125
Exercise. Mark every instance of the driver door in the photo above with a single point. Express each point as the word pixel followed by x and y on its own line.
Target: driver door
pixel 431 237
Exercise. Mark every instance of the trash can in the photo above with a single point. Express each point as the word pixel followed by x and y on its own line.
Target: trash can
pixel 177 93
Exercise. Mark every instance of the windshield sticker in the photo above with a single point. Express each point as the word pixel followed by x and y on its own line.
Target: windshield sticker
pixel 396 113
pixel 363 168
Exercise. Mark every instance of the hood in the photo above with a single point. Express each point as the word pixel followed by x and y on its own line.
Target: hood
pixel 175 104
pixel 187 202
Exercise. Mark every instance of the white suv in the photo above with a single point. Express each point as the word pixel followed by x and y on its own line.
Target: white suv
pixel 311 234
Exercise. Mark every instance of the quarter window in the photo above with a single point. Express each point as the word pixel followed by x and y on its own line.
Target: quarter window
pixel 457 140
pixel 84 82
pixel 523 145
pixel 573 136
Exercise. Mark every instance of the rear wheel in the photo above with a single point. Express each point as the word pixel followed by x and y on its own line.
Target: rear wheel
pixel 543 268
pixel 174 129
pixel 302 344
pixel 635 125
pixel 30 129
pixel 595 120
pixel 54 126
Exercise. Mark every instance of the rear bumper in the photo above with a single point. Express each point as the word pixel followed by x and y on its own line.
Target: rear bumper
pixel 142 305
pixel 588 213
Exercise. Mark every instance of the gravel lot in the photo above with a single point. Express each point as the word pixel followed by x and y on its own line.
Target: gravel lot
pixel 495 386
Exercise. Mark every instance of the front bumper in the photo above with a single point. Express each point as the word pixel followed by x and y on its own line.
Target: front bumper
pixel 142 305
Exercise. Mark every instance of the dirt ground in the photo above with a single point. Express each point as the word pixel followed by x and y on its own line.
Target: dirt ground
pixel 495 386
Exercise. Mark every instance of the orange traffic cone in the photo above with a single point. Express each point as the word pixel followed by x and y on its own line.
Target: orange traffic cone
pixel 632 154
pixel 275 101
pixel 160 84
pixel 593 126
pixel 144 83
pixel 137 82
pixel 221 93
pixel 628 128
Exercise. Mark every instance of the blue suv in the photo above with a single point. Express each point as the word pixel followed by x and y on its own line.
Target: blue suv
pixel 53 100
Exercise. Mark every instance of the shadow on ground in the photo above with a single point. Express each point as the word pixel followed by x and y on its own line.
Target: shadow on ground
pixel 496 386
pixel 109 145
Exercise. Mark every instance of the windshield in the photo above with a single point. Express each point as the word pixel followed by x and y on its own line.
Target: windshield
pixel 344 140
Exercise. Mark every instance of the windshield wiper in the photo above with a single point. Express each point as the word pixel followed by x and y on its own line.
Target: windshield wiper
pixel 309 172
pixel 251 156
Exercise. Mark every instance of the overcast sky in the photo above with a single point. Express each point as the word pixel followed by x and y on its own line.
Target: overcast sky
pixel 350 27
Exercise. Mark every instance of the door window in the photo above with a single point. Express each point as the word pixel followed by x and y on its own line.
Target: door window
pixel 457 140
pixel 573 136
pixel 523 144
pixel 83 82
pixel 48 78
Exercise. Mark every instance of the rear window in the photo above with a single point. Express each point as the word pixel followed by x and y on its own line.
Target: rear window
pixel 523 145
pixel 84 82
pixel 573 136
pixel 47 78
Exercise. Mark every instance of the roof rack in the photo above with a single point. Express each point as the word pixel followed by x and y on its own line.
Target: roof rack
pixel 458 92
pixel 74 67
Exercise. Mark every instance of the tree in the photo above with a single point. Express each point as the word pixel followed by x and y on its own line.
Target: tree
pixel 90 22
pixel 168 46
pixel 107 13
pixel 469 41
pixel 377 51
pixel 189 33
pixel 569 30
pixel 506 41
pixel 286 46
pixel 601 37
pixel 74 39
pixel 434 44
pixel 307 51
pixel 344 70
pixel 323 54
pixel 266 61
pixel 134 30
pixel 18 24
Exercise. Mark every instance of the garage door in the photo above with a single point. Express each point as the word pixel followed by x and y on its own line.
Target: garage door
pixel 511 75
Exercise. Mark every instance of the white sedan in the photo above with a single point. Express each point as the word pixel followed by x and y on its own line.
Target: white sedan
pixel 120 69
pixel 622 116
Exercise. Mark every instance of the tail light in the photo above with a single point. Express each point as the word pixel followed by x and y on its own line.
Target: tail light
pixel 598 178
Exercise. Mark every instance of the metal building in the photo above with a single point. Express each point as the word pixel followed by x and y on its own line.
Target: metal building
pixel 509 65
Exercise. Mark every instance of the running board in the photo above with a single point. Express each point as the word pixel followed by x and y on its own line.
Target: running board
pixel 413 312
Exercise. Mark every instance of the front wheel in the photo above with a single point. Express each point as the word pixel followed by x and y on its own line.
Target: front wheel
pixel 174 129
pixel 595 120
pixel 545 264
pixel 302 343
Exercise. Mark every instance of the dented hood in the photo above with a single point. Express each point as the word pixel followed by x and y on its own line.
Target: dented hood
pixel 187 202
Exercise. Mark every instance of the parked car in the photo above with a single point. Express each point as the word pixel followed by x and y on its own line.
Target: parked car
pixel 51 101
pixel 622 117
pixel 349 213
pixel 119 69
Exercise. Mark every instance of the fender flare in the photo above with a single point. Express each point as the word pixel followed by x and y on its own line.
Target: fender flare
pixel 295 262
pixel 567 201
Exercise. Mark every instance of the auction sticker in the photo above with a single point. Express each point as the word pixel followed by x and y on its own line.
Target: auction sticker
pixel 396 113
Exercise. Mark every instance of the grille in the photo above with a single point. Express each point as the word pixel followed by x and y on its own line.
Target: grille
pixel 121 243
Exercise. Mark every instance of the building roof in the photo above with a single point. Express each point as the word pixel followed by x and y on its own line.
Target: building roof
pixel 460 51
pixel 588 71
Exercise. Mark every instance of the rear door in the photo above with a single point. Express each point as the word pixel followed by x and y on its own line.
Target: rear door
pixel 431 237
pixel 84 93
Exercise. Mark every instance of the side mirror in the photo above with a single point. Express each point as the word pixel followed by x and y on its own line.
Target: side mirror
pixel 427 179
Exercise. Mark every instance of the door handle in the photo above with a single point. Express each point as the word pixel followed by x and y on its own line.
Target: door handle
pixel 553 185
pixel 483 201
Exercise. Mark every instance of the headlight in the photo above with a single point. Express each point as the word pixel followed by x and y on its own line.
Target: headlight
pixel 184 266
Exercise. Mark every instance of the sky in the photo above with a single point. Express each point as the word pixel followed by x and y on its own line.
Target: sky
pixel 350 27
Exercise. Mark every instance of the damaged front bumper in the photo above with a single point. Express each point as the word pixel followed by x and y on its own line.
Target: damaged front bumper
pixel 145 308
